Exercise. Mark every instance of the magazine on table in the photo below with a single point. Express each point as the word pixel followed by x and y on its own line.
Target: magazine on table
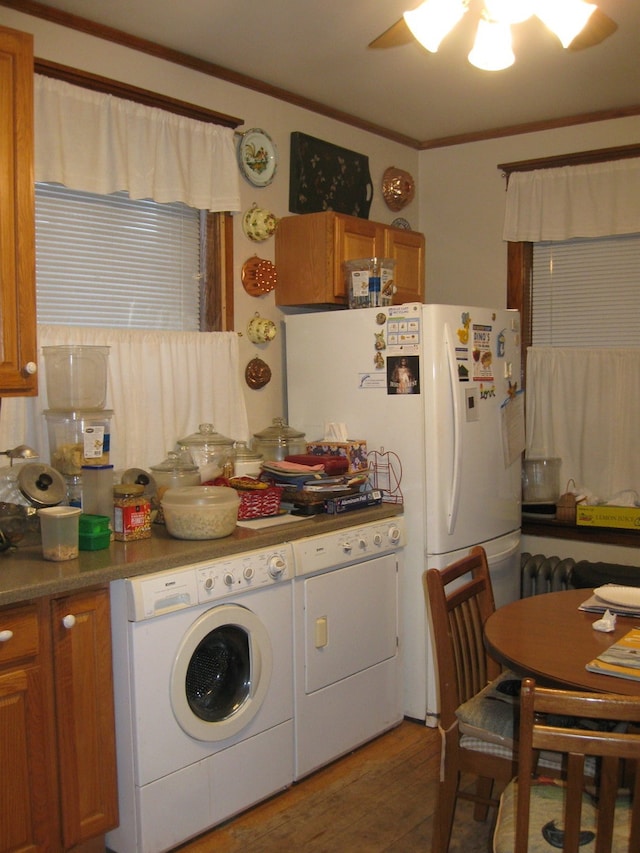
pixel 622 659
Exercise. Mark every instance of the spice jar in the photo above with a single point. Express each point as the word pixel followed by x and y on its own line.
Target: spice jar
pixel 131 512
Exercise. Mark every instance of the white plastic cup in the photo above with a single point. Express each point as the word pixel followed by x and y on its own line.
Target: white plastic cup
pixel 59 529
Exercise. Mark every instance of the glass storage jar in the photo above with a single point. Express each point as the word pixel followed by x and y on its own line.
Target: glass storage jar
pixel 279 440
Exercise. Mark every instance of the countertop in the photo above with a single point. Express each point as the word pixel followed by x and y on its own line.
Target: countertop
pixel 24 575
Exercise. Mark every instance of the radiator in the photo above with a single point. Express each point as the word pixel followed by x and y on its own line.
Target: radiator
pixel 540 574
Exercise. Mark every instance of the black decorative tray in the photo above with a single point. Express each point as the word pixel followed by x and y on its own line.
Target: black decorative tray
pixel 324 176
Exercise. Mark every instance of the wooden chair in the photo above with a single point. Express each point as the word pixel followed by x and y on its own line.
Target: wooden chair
pixel 579 814
pixel 477 731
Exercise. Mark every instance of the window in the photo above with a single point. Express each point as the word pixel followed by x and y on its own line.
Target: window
pixel 586 292
pixel 114 261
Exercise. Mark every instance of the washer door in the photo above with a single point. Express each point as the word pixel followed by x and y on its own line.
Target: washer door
pixel 221 673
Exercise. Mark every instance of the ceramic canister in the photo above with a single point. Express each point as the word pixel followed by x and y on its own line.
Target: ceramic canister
pixel 260 330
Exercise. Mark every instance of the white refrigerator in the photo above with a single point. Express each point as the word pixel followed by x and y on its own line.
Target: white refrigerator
pixel 435 392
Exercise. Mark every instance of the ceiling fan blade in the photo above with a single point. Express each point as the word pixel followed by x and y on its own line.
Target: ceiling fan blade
pixel 397 35
pixel 597 29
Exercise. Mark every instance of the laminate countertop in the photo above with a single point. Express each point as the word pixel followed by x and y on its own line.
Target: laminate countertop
pixel 24 575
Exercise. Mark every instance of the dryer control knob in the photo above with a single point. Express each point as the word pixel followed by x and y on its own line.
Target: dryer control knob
pixel 347 546
pixel 394 534
pixel 362 543
pixel 208 584
pixel 248 572
pixel 276 566
pixel 377 539
pixel 228 579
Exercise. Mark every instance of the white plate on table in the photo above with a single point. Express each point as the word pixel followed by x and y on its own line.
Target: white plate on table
pixel 623 596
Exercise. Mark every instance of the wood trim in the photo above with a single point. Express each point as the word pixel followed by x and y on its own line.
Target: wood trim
pixel 600 155
pixel 528 127
pixel 132 93
pixel 519 270
pixel 218 308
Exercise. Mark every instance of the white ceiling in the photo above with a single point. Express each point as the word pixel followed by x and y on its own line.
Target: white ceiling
pixel 317 49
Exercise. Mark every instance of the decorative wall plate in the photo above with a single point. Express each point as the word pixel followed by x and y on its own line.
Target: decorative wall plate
pixel 257 157
pixel 259 276
pixel 401 222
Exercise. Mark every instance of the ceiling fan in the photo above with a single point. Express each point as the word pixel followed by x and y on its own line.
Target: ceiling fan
pixel 430 22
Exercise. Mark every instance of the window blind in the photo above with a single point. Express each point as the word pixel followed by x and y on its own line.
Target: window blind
pixel 113 261
pixel 586 292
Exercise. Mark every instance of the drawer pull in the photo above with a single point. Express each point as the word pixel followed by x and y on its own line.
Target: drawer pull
pixel 69 620
pixel 5 635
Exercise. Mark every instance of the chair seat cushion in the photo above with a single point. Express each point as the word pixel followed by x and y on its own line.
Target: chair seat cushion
pixel 490 715
pixel 546 819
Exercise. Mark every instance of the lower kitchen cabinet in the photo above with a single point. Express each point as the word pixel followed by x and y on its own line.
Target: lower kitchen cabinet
pixel 57 737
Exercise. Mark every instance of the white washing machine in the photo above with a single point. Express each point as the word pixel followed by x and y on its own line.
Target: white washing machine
pixel 347 640
pixel 204 695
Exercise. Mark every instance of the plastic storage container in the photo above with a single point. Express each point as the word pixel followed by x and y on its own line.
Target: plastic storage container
pixel 78 438
pixel 76 377
pixel 94 532
pixel 200 512
pixel 369 281
pixel 59 529
pixel 97 490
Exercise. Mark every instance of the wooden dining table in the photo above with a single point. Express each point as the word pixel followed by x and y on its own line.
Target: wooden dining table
pixel 546 637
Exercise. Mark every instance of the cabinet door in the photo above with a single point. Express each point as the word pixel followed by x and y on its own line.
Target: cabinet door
pixel 28 802
pixel 354 238
pixel 17 224
pixel 407 249
pixel 85 715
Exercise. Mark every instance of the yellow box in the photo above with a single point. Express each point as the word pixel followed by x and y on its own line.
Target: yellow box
pixel 354 450
pixel 627 517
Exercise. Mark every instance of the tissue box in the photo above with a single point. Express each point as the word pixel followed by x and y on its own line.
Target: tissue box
pixel 626 517
pixel 355 451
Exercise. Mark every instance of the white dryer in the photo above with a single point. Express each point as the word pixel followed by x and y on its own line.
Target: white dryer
pixel 204 695
pixel 347 640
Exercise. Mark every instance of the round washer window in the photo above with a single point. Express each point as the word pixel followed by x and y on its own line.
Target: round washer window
pixel 221 673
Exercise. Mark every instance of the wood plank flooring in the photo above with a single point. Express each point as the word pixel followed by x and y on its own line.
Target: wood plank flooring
pixel 378 799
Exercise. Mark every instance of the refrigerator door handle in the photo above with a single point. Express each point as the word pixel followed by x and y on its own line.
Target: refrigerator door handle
pixel 454 494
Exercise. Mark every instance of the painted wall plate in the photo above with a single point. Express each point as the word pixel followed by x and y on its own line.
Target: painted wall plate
pixel 257 157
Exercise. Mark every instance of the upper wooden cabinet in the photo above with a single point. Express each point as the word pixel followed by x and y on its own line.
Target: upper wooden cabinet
pixel 310 249
pixel 18 356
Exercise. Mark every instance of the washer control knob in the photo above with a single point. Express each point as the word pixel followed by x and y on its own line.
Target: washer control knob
pixel 377 539
pixel 276 566
pixel 228 579
pixel 394 534
pixel 208 583
pixel 347 547
pixel 362 543
pixel 248 572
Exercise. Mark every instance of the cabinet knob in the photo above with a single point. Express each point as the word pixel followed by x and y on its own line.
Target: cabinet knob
pixel 69 620
pixel 30 368
pixel 5 635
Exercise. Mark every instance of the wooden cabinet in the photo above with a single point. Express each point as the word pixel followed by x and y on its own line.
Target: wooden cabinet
pixel 311 248
pixel 57 724
pixel 18 356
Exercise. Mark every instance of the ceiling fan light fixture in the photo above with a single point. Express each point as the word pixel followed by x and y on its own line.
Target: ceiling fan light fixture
pixel 565 18
pixel 509 11
pixel 435 19
pixel 492 49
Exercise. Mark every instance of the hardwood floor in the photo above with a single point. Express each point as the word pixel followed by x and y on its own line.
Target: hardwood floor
pixel 378 799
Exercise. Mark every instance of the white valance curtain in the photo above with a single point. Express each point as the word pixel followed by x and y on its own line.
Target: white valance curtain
pixel 161 387
pixel 583 406
pixel 591 200
pixel 102 144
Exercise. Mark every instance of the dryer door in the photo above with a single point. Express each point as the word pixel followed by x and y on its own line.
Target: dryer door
pixel 221 673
